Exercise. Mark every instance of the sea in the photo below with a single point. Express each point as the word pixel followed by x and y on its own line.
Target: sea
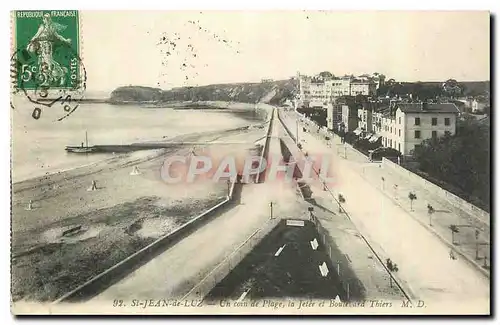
pixel 38 144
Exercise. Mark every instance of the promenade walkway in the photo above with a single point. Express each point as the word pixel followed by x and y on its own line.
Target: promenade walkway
pixel 423 259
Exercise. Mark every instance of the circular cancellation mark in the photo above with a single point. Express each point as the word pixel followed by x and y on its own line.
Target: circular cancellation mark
pixel 47 84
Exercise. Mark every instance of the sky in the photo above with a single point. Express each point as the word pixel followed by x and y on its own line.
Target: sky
pixel 136 48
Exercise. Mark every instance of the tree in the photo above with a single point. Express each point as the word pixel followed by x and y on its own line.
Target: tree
pixel 452 88
pixel 412 196
pixel 487 110
pixel 454 230
pixel 390 82
pixel 341 200
pixel 393 267
pixel 460 163
pixel 326 75
pixel 430 211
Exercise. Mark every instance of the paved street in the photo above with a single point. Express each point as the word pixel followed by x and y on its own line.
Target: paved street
pixel 423 260
pixel 397 187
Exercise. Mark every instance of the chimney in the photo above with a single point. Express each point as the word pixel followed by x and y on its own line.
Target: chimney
pixel 425 105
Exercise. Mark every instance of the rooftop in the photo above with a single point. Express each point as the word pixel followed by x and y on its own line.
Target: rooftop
pixel 428 108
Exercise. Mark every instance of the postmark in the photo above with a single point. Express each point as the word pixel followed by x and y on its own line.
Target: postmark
pixel 46 66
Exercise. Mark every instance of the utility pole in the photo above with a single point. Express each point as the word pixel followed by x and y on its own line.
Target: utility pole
pixel 271 206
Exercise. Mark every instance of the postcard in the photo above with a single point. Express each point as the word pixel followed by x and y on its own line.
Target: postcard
pixel 250 162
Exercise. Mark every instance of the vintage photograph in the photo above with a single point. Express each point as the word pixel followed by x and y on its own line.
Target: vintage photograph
pixel 250 162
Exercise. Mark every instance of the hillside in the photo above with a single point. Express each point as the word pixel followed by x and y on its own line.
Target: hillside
pixel 241 92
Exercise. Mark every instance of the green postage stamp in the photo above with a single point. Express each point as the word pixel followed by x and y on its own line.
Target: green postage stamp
pixel 47 50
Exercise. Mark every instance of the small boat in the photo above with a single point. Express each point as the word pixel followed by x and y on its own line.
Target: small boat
pixel 81 149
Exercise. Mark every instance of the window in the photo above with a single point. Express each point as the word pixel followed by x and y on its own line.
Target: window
pixel 400 132
pixel 417 134
pixel 400 120
pixel 434 134
pixel 434 121
pixel 391 129
pixel 446 121
pixel 399 147
pixel 417 120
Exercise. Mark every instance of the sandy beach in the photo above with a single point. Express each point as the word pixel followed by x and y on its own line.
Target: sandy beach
pixel 70 233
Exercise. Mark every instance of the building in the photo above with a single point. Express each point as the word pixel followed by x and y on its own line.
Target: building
pixel 370 120
pixel 406 125
pixel 360 87
pixel 478 105
pixel 365 118
pixel 304 90
pixel 349 118
pixel 318 92
pixel 333 115
pixel 317 96
pixel 338 87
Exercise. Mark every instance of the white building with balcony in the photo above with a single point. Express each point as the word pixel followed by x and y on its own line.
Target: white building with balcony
pixel 317 92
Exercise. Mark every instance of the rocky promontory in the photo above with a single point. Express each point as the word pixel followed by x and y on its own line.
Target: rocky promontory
pixel 135 94
pixel 273 92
